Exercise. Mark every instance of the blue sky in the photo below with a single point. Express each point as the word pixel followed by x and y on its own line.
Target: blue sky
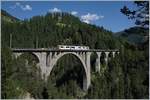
pixel 101 13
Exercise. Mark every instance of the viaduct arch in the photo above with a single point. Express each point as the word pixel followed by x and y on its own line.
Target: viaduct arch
pixel 81 61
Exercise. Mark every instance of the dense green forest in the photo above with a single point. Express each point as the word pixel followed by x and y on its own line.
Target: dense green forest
pixel 126 76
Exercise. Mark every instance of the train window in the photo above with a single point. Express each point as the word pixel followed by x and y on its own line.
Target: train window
pixel 67 47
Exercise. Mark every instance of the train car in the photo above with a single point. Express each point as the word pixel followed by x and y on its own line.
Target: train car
pixel 63 47
pixel 67 47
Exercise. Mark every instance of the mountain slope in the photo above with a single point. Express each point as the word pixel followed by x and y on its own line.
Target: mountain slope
pixel 134 35
pixel 7 17
pixel 57 28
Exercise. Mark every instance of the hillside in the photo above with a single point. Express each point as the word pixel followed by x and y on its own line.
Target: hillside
pixel 7 17
pixel 135 35
pixel 57 28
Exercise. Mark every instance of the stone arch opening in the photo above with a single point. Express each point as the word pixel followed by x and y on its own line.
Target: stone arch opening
pixel 93 59
pixel 77 59
pixel 30 58
pixel 103 55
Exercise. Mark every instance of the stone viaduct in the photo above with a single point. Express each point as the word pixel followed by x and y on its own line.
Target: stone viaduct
pixel 49 57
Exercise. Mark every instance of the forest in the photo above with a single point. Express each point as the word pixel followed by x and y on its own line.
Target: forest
pixel 125 77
